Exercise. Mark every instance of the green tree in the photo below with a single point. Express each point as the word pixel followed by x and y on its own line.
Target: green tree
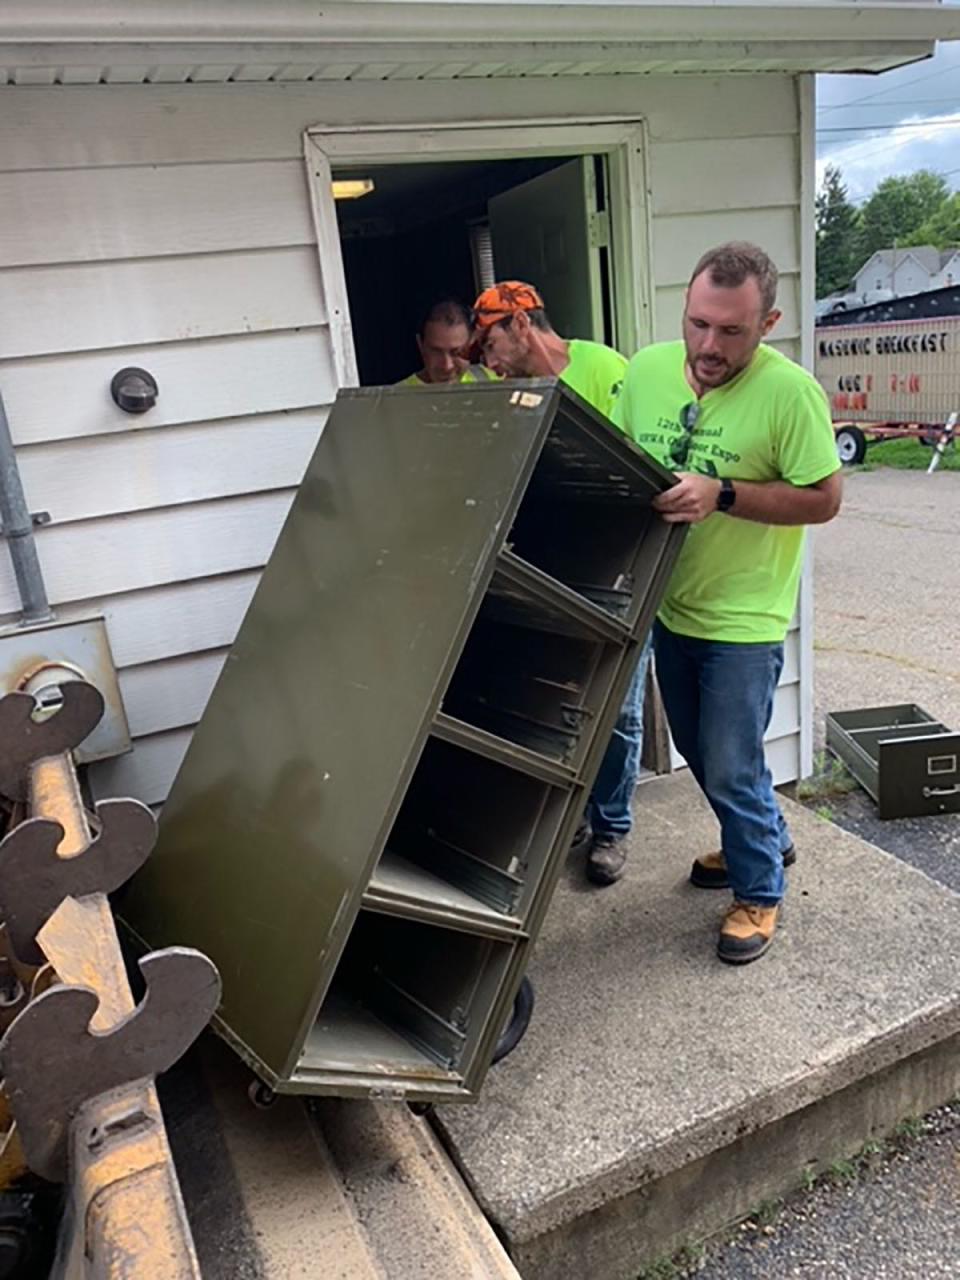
pixel 838 234
pixel 943 229
pixel 898 208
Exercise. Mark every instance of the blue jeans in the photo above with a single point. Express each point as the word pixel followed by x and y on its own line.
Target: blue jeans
pixel 719 699
pixel 609 810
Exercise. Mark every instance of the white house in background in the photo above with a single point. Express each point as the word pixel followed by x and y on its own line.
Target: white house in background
pixel 949 270
pixel 906 271
pixel 166 202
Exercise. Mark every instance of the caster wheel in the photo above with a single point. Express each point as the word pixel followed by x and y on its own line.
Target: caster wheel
pixel 515 1029
pixel 261 1095
pixel 420 1108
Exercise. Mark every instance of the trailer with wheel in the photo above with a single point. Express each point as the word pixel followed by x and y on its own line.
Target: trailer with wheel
pixel 892 371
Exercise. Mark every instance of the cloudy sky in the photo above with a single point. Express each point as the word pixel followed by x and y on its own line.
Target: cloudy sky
pixel 875 126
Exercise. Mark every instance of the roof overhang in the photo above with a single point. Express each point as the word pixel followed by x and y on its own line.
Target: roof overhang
pixel 82 41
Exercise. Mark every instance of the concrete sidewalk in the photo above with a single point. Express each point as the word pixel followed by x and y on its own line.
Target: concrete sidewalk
pixel 660 1094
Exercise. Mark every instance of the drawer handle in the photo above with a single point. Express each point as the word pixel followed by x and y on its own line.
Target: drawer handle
pixel 928 792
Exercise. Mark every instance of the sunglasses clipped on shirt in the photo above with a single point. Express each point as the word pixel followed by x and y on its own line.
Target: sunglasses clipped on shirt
pixel 680 448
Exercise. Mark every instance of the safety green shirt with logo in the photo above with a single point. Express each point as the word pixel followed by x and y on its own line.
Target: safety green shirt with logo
pixel 735 580
pixel 473 373
pixel 595 373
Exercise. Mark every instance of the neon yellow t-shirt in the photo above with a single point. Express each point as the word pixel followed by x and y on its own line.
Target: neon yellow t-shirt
pixel 468 375
pixel 595 373
pixel 735 580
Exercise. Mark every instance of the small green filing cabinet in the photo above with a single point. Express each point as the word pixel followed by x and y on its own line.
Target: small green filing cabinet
pixel 367 827
pixel 902 756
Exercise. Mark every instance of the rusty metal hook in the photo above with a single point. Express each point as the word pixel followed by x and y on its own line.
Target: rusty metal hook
pixel 52 1062
pixel 24 740
pixel 35 879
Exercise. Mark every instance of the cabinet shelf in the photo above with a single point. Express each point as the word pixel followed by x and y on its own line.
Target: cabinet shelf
pixel 348 1037
pixel 524 595
pixel 541 690
pixel 401 887
pixel 409 995
pixel 449 729
pixel 587 520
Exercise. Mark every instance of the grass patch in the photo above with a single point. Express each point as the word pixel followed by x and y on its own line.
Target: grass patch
pixel 912 1127
pixel 767 1213
pixel 685 1262
pixel 661 1269
pixel 844 1170
pixel 910 455
pixel 830 778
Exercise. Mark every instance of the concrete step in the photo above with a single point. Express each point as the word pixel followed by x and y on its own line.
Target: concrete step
pixel 660 1095
pixel 332 1190
pixel 263 1194
pixel 419 1218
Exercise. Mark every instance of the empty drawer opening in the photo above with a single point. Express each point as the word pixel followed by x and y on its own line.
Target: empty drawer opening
pixel 407 999
pixel 448 827
pixel 608 553
pixel 539 690
pixel 900 715
pixel 869 739
pixel 585 511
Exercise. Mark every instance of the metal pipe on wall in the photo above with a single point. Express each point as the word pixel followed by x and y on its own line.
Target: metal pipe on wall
pixel 18 531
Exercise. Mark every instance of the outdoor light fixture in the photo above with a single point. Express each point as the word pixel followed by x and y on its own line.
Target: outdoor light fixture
pixel 134 390
pixel 351 188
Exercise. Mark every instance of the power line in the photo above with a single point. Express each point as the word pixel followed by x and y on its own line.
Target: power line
pixel 893 102
pixel 860 159
pixel 867 97
pixel 950 123
pixel 875 151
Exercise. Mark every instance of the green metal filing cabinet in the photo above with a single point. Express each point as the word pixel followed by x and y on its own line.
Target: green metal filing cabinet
pixel 368 825
pixel 903 757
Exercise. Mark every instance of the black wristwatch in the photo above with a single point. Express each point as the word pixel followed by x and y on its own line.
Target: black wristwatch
pixel 727 495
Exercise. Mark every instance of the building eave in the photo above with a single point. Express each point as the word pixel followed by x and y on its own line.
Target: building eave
pixel 431 21
pixel 44 38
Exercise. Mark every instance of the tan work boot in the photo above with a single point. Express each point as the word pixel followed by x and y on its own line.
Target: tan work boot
pixel 746 932
pixel 710 871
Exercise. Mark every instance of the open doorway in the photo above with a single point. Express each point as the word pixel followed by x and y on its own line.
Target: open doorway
pixel 414 233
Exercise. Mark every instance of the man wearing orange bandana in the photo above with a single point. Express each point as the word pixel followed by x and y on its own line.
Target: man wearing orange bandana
pixel 518 341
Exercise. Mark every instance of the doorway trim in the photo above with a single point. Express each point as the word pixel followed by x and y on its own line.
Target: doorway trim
pixel 622 140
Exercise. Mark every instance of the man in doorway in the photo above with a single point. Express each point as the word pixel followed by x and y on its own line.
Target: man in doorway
pixel 749 433
pixel 518 340
pixel 443 340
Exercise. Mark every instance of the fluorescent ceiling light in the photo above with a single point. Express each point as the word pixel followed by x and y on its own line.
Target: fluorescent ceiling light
pixel 351 188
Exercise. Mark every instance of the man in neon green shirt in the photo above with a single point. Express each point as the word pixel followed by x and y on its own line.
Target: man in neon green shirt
pixel 443 341
pixel 749 433
pixel 518 341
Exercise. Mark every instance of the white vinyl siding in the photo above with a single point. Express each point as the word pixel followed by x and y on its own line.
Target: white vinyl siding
pixel 726 189
pixel 169 226
pixel 743 188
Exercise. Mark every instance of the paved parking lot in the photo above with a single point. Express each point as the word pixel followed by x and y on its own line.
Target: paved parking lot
pixel 888 595
pixel 887 630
